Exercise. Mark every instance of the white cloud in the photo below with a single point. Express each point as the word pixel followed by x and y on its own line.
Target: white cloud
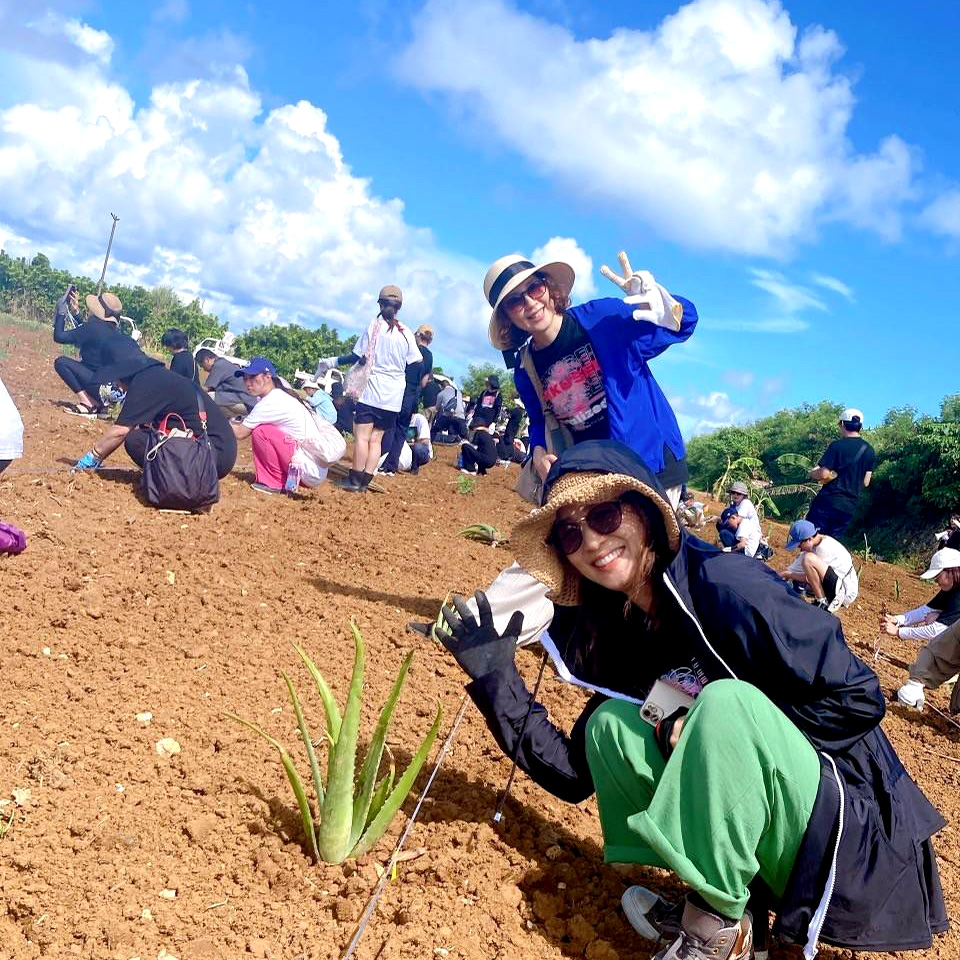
pixel 722 127
pixel 706 412
pixel 255 212
pixel 942 216
pixel 569 251
pixel 741 379
pixel 95 43
pixel 174 11
pixel 832 283
pixel 791 297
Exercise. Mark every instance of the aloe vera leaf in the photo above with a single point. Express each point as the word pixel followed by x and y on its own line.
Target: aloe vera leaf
pixel 306 738
pixel 399 793
pixel 383 791
pixel 330 707
pixel 336 821
pixel 371 763
pixel 295 782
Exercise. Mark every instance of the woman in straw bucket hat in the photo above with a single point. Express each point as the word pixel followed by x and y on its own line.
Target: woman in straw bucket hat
pixel 936 623
pixel 90 338
pixel 732 737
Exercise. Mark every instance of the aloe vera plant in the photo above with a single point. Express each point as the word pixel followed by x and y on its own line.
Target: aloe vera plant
pixel 353 811
pixel 482 532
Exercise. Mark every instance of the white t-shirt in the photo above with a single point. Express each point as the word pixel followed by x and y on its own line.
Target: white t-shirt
pixel 835 555
pixel 748 511
pixel 420 423
pixel 395 348
pixel 11 427
pixel 749 532
pixel 288 414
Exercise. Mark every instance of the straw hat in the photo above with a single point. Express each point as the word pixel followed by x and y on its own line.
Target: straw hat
pixel 542 560
pixel 106 306
pixel 510 272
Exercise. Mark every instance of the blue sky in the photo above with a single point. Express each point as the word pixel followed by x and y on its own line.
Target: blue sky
pixel 791 168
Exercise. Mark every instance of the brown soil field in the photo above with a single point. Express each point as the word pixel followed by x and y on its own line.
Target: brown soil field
pixel 116 610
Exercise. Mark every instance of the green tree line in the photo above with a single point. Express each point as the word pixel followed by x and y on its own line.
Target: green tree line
pixel 915 485
pixel 31 288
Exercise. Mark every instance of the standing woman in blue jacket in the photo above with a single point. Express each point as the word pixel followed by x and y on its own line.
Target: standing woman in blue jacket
pixel 583 372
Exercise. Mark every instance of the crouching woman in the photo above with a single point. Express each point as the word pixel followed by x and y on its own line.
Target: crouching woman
pixel 778 777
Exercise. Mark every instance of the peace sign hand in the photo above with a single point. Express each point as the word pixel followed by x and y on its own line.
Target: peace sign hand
pixel 650 301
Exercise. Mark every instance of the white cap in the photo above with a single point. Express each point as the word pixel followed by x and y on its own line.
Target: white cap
pixel 942 560
pixel 852 413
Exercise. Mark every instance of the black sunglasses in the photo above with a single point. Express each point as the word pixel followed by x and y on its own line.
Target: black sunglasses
pixel 534 289
pixel 602 518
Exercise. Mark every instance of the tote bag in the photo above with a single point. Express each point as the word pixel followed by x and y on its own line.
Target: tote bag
pixel 324 444
pixel 180 469
pixel 358 375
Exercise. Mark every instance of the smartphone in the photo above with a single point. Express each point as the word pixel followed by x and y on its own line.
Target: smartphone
pixel 662 700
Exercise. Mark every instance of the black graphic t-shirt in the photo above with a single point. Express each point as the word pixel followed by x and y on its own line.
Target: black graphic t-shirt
pixel 573 382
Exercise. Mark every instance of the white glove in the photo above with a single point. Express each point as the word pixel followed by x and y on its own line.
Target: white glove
pixel 651 302
pixel 728 549
pixel 324 364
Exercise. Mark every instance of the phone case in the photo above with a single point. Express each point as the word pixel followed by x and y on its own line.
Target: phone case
pixel 661 701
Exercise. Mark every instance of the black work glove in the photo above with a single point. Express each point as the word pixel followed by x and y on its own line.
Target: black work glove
pixel 478 648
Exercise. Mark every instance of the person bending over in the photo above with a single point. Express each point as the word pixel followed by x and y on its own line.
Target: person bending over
pixel 222 384
pixel 153 392
pixel 938 660
pixel 182 361
pixel 480 455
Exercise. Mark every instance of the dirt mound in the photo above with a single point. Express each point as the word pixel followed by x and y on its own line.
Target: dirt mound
pixel 117 611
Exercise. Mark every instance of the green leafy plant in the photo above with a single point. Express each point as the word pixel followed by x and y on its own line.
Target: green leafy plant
pixel 739 468
pixel 353 811
pixel 5 825
pixel 466 484
pixel 482 532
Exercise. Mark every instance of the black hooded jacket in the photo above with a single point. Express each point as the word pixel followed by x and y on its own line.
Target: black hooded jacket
pixel 740 620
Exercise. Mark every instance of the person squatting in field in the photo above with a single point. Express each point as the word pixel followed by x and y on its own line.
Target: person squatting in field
pixel 384 351
pixel 225 388
pixel 90 338
pixel 583 373
pixel 940 658
pixel 11 430
pixel 776 779
pixel 824 566
pixel 742 505
pixel 152 393
pixel 276 426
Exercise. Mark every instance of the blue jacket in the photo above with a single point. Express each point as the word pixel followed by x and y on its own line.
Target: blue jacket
pixel 639 413
pixel 742 621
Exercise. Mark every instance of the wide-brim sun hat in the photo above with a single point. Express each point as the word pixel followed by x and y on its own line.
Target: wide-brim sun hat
pixel 508 273
pixel 105 306
pixel 739 487
pixel 530 538
pixel 942 560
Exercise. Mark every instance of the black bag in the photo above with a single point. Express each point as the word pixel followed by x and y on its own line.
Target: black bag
pixel 180 469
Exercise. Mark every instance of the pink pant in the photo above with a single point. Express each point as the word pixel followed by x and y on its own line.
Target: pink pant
pixel 272 450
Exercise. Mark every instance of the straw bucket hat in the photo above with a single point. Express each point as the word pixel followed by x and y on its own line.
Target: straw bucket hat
pixel 510 272
pixel 106 306
pixel 530 538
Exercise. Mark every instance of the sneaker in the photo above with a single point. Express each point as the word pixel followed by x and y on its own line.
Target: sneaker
pixel 911 694
pixel 705 935
pixel 263 488
pixel 387 473
pixel 820 602
pixel 650 915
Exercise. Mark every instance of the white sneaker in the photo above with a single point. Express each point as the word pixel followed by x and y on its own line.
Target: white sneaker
pixel 911 694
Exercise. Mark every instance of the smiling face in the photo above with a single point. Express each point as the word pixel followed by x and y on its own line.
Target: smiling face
pixel 530 307
pixel 618 560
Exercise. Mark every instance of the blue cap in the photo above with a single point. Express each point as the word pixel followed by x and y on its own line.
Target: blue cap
pixel 255 366
pixel 800 530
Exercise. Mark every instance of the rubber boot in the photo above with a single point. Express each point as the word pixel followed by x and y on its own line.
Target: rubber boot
pixel 365 479
pixel 352 483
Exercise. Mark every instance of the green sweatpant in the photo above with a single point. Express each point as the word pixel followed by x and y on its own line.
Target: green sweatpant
pixel 733 801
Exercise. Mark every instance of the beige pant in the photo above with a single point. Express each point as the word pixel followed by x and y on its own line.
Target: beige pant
pixel 938 661
pixel 514 589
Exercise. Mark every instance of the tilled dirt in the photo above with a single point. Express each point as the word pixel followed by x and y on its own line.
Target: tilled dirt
pixel 116 611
